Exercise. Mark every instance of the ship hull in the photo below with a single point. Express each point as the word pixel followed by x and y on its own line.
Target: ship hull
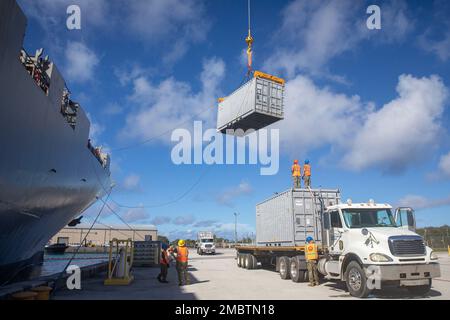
pixel 48 175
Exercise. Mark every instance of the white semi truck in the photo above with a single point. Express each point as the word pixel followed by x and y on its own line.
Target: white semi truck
pixel 205 243
pixel 367 245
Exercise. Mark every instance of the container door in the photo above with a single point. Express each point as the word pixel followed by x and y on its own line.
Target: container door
pixel 336 232
pixel 305 216
pixel 405 218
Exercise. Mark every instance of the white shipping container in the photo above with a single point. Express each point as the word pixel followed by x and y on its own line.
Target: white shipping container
pixel 255 105
pixel 288 218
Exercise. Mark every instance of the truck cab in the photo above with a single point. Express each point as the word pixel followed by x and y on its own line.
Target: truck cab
pixel 205 243
pixel 368 245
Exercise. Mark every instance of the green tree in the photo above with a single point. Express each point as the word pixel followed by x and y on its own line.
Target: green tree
pixel 163 239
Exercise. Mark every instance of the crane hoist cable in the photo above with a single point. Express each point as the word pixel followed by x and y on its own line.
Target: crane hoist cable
pixel 249 40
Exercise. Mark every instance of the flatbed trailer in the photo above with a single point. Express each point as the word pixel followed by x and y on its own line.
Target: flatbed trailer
pixel 290 262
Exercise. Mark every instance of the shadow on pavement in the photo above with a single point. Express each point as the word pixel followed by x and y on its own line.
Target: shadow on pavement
pixel 144 287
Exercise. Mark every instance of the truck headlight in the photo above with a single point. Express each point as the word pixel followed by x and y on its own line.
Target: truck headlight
pixel 433 256
pixel 379 257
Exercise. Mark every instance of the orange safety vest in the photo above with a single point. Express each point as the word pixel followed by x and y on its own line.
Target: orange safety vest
pixel 182 254
pixel 311 251
pixel 307 170
pixel 296 170
pixel 164 257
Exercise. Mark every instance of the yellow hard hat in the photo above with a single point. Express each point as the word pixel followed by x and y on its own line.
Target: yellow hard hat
pixel 181 243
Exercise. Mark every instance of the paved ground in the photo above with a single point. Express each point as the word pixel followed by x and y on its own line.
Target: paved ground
pixel 218 278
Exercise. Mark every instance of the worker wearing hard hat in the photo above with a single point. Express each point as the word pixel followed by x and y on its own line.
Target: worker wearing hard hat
pixel 312 256
pixel 182 263
pixel 164 264
pixel 307 174
pixel 296 174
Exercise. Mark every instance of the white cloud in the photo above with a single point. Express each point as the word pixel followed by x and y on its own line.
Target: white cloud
pixel 157 221
pixel 436 38
pixel 314 32
pixel 205 224
pixel 184 220
pixel 80 62
pixel 113 109
pixel 172 103
pixel 52 13
pixel 229 195
pixel 439 47
pixel 391 137
pixel 176 24
pixel 131 182
pixel 404 130
pixel 134 215
pixel 419 202
pixel 315 116
pixel 444 165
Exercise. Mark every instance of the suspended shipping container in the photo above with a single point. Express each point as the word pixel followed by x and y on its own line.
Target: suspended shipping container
pixel 255 105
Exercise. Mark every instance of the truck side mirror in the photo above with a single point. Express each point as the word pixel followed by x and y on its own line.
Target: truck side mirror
pixel 405 218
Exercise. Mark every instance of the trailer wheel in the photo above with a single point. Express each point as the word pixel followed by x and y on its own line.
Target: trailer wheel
pixel 420 290
pixel 254 261
pixel 284 268
pixel 297 275
pixel 249 262
pixel 241 260
pixel 356 280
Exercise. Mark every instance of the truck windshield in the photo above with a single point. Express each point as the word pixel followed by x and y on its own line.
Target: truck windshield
pixel 368 218
pixel 207 240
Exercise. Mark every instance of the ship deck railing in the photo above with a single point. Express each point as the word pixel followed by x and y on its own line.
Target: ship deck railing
pixel 36 69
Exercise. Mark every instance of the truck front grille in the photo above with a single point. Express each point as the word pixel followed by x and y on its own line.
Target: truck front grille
pixel 208 246
pixel 407 246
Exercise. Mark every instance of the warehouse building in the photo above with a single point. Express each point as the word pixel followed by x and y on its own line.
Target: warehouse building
pixel 100 235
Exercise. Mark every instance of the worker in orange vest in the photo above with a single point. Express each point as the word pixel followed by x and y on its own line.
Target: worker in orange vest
pixel 312 256
pixel 297 174
pixel 307 174
pixel 182 263
pixel 164 264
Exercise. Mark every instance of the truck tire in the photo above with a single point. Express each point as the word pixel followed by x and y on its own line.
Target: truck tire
pixel 356 280
pixel 254 262
pixel 420 290
pixel 241 260
pixel 285 268
pixel 249 259
pixel 238 260
pixel 295 271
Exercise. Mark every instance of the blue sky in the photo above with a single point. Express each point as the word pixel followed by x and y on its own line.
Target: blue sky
pixel 369 108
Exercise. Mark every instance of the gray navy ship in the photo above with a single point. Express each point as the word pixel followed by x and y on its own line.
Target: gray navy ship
pixel 49 171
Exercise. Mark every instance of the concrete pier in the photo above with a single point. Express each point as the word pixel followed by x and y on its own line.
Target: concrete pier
pixel 218 278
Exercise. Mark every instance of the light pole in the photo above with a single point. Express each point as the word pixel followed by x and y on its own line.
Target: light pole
pixel 235 228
